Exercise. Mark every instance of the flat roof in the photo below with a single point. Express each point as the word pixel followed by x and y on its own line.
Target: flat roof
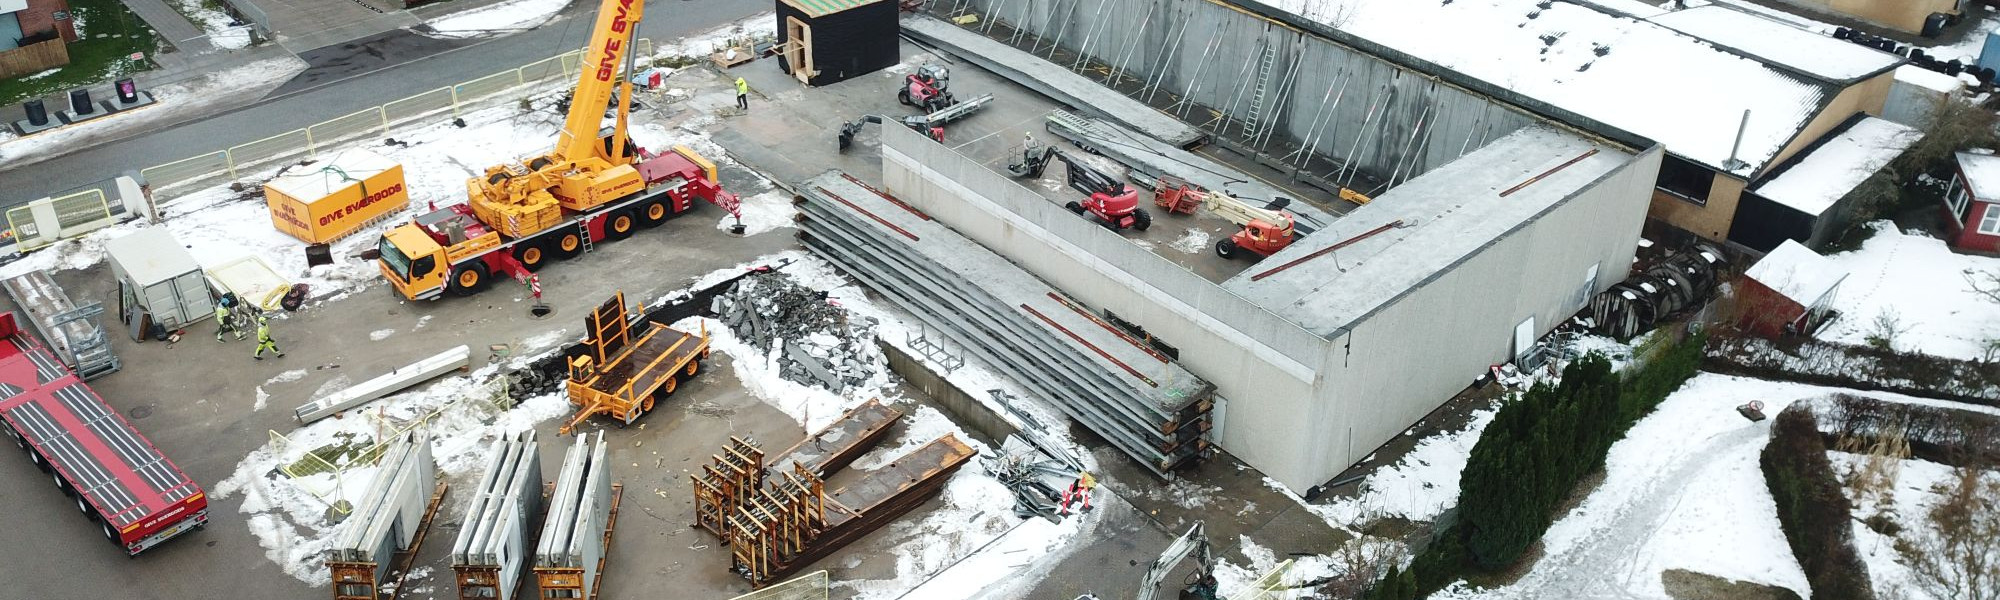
pixel 151 255
pixel 1824 174
pixel 1445 216
pixel 1635 77
pixel 1780 43
pixel 1797 273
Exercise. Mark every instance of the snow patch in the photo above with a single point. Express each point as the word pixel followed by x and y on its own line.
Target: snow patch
pixel 263 398
pixel 1194 241
pixel 176 101
pixel 763 212
pixel 511 15
pixel 286 377
pixel 1923 283
pixel 380 334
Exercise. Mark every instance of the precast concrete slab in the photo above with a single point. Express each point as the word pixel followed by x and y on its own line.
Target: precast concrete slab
pixel 1052 80
pixel 1139 399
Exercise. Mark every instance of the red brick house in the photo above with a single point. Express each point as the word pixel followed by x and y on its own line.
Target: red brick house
pixel 33 21
pixel 1788 292
pixel 1972 203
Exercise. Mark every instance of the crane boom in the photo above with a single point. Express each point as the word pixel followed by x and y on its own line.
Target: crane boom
pixel 609 55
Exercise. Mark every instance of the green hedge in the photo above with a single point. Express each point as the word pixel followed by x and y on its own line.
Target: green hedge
pixel 1531 458
pixel 1811 509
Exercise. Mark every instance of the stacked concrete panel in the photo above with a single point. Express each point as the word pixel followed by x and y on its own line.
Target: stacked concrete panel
pixel 386 518
pixel 1138 399
pixel 574 537
pixel 492 542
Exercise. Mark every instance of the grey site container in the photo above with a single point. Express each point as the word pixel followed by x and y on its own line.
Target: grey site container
pixel 158 281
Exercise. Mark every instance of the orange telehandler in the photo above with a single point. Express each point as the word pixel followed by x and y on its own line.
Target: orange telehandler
pixel 595 186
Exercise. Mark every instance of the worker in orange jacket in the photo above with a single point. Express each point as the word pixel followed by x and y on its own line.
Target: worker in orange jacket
pixel 1079 490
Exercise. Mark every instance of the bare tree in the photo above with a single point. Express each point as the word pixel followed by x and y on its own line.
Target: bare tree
pixel 1359 564
pixel 1958 555
pixel 1888 326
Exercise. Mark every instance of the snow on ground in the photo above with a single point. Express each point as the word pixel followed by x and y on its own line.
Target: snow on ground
pixel 1193 241
pixel 1920 281
pixel 506 16
pixel 1913 493
pixel 1232 579
pixel 1967 49
pixel 263 399
pixel 1419 487
pixel 763 212
pixel 288 517
pixel 216 24
pixel 1682 490
pixel 176 101
pixel 380 334
pixel 287 377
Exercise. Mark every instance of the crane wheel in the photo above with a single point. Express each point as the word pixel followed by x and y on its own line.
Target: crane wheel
pixel 568 245
pixel 903 96
pixel 531 255
pixel 1141 219
pixel 496 178
pixel 1225 248
pixel 468 279
pixel 619 225
pixel 652 214
pixel 539 163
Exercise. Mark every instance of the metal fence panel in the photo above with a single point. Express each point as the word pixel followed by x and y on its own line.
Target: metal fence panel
pixel 185 170
pixel 21 227
pixel 81 208
pixel 486 86
pixel 365 122
pixel 417 106
pixel 289 144
pixel 1269 587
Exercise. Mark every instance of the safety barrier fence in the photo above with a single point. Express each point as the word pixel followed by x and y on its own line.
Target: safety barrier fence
pixel 43 222
pixel 236 162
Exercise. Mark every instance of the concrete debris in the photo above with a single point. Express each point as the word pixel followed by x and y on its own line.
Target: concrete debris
pixel 814 342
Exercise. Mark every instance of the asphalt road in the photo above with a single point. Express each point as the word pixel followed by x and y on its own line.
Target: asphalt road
pixel 344 80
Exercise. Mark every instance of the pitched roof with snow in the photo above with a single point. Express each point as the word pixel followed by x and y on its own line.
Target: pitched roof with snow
pixel 1797 273
pixel 1780 44
pixel 1635 78
pixel 1816 179
pixel 1982 173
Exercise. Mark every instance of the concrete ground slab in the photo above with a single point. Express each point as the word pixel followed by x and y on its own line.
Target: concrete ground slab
pixel 302 25
pixel 349 58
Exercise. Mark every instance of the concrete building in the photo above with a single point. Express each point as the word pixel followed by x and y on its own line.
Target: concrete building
pixel 1331 347
pixel 1382 92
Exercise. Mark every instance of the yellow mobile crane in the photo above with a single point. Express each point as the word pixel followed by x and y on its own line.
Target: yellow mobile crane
pixel 594 186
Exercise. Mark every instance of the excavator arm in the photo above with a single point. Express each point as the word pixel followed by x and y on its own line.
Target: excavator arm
pixel 1235 210
pixel 1193 543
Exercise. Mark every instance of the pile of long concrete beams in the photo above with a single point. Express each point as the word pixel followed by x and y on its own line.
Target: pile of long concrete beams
pixel 1150 159
pixel 573 535
pixel 388 383
pixel 487 557
pixel 1137 398
pixel 388 515
pixel 1051 80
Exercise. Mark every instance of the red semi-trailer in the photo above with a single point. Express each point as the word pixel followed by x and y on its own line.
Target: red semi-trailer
pixel 117 479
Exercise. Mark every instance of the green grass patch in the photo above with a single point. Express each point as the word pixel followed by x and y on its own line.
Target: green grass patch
pixel 110 35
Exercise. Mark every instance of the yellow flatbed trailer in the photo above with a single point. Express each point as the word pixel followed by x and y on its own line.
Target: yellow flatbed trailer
pixel 629 363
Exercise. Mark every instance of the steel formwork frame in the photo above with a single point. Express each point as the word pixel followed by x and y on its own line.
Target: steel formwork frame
pixel 734 476
pixel 776 525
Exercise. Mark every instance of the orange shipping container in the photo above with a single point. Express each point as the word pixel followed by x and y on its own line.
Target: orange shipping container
pixel 323 200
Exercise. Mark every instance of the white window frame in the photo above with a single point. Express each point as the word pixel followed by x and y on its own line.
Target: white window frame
pixel 1989 221
pixel 1958 199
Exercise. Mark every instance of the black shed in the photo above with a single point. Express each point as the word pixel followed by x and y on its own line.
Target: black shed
pixel 828 41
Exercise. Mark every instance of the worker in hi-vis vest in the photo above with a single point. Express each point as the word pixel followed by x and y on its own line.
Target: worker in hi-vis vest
pixel 742 94
pixel 264 340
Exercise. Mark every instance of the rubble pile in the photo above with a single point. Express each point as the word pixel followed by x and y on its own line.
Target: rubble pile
pixel 814 342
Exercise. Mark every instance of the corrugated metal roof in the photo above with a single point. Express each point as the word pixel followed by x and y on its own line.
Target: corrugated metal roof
pixel 820 8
